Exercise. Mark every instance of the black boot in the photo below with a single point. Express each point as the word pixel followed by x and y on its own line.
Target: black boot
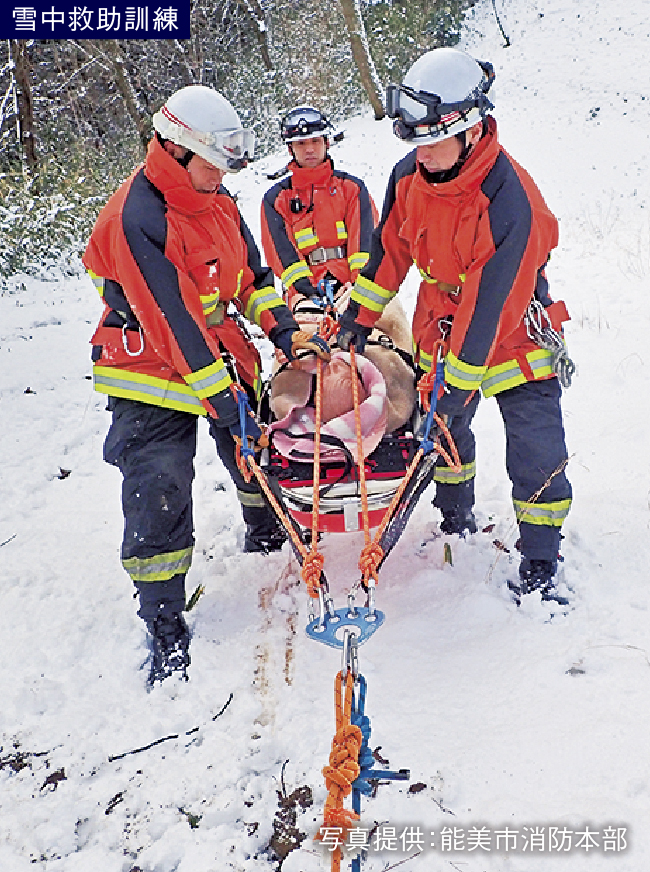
pixel 458 520
pixel 170 642
pixel 539 575
pixel 263 532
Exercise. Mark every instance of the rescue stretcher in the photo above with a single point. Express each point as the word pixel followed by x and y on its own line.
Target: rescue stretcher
pixel 289 460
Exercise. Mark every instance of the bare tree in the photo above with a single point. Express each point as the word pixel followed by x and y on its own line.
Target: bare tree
pixel 110 50
pixel 24 105
pixel 256 13
pixel 362 57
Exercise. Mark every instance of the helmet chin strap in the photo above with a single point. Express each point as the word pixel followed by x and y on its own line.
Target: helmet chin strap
pixel 187 157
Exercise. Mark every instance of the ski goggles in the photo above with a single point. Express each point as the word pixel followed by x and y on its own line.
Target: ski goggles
pixel 237 146
pixel 234 147
pixel 302 124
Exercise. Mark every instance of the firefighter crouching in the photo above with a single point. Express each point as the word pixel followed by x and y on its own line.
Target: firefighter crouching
pixel 480 234
pixel 170 253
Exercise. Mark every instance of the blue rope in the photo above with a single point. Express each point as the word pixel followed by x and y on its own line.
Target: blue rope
pixel 244 409
pixel 427 444
pixel 366 760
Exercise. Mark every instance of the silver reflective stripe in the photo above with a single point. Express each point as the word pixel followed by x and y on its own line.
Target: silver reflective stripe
pixel 163 391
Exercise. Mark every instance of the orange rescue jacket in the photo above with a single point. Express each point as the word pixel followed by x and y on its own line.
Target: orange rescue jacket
pixel 167 261
pixel 480 243
pixel 314 221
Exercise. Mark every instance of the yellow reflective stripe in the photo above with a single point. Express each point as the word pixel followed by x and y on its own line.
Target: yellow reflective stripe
pixel 98 282
pixel 542 514
pixel 209 302
pixel 444 475
pixel 146 389
pixel 240 276
pixel 509 374
pixel 252 500
pixel 341 232
pixel 162 567
pixel 298 270
pixel 462 278
pixel 306 238
pixel 464 376
pixel 424 360
pixel 371 295
pixel 257 383
pixel 209 380
pixel 541 362
pixel 425 275
pixel 358 260
pixel 261 301
pixel 502 378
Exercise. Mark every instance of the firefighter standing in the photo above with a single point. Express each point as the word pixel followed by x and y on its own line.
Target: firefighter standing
pixel 480 234
pixel 316 222
pixel 177 266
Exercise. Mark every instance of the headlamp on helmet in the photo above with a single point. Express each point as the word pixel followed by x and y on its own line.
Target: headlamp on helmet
pixel 303 122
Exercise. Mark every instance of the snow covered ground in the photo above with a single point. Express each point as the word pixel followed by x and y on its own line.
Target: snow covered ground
pixel 510 721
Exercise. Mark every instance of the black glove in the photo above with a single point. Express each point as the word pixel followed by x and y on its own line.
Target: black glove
pixel 291 341
pixel 351 333
pixel 225 405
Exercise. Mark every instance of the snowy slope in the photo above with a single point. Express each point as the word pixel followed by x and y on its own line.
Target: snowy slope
pixel 507 719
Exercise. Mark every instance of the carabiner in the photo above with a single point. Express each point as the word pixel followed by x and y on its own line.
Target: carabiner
pixel 125 342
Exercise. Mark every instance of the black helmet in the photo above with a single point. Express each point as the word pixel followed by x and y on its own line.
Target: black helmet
pixel 303 122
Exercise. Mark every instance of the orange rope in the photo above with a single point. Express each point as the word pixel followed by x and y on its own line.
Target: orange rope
pixel 373 553
pixel 343 767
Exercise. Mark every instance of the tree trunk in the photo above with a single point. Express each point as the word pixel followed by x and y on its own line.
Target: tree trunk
pixel 24 103
pixel 255 11
pixel 111 50
pixel 362 56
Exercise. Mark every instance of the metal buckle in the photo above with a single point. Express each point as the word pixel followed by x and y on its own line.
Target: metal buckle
pixel 318 255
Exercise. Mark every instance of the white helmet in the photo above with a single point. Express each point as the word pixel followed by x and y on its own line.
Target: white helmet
pixel 444 93
pixel 201 120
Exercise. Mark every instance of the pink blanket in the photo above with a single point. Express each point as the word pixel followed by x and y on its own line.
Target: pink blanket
pixel 338 411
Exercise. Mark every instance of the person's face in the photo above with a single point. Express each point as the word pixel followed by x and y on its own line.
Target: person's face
pixel 441 156
pixel 204 176
pixel 309 153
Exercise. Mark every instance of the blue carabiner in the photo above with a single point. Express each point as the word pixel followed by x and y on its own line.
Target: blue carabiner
pixel 326 289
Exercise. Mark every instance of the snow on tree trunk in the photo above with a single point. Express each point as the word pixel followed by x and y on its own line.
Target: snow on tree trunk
pixel 255 11
pixel 24 103
pixel 362 57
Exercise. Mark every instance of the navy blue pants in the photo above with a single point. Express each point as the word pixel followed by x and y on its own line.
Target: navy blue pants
pixel 535 449
pixel 154 449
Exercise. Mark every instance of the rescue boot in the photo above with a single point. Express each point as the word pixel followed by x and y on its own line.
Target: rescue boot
pixel 539 575
pixel 264 539
pixel 170 642
pixel 458 520
pixel 263 532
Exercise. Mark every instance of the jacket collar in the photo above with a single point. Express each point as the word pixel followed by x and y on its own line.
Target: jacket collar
pixel 303 177
pixel 173 181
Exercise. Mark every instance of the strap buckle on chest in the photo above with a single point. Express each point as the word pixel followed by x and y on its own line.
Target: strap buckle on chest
pixel 321 255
